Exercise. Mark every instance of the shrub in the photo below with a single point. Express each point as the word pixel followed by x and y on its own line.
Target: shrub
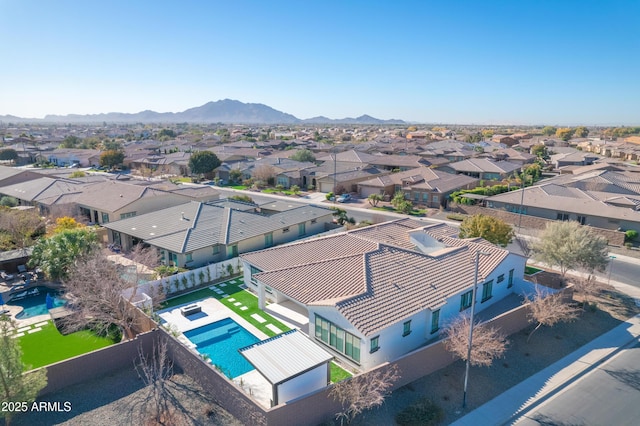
pixel 456 216
pixel 329 196
pixel 280 187
pixel 630 235
pixel 422 412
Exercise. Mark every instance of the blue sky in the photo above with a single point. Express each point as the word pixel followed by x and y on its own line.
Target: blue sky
pixel 560 62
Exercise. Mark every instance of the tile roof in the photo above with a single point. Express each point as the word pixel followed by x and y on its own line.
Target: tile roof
pixel 375 284
pixel 195 225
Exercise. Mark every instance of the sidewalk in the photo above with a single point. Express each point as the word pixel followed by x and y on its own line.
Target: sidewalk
pixel 508 407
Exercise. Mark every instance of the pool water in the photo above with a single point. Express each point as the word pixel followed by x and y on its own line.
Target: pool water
pixel 37 305
pixel 220 341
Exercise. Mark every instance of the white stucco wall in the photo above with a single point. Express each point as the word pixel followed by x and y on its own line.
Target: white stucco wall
pixel 308 382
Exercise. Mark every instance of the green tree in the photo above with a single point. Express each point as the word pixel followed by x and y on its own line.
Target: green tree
pixel 304 155
pixel 405 207
pixel 70 142
pixel 203 162
pixel 549 130
pixel 111 158
pixel 15 385
pixel 490 228
pixel 55 255
pixel 235 175
pixel 564 133
pixel 8 154
pixel 8 201
pixel 295 189
pixel 569 245
pixel 487 133
pixel 374 199
pixel 78 174
pixel 111 145
pixel 342 217
pixel 541 151
pixel 581 132
pixel 398 199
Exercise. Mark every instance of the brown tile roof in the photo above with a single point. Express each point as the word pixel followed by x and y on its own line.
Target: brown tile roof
pixel 376 284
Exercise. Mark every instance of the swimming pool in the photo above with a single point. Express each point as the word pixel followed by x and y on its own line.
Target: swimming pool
pixel 37 305
pixel 220 341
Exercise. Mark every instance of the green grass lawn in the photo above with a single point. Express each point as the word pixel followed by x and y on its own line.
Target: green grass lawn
pixel 240 295
pixel 239 186
pixel 338 373
pixel 530 270
pixel 48 345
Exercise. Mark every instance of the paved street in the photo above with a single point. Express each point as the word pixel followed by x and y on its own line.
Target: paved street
pixel 609 395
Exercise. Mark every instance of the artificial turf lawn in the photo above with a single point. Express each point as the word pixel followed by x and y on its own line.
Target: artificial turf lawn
pixel 235 292
pixel 338 373
pixel 48 345
pixel 530 270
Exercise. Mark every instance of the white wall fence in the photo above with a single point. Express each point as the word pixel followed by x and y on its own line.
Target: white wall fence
pixel 178 283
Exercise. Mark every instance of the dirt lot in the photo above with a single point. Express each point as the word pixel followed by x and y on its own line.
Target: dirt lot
pixel 121 399
pixel 522 360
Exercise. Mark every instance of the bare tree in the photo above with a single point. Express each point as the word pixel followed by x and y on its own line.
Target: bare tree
pixel 525 245
pixel 548 309
pixel 155 370
pixel 488 343
pixel 588 287
pixel 264 173
pixel 363 392
pixel 96 288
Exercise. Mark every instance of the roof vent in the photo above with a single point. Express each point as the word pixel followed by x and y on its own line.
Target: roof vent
pixel 120 195
pixel 182 216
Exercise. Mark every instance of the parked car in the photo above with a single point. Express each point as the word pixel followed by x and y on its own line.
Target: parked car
pixel 344 198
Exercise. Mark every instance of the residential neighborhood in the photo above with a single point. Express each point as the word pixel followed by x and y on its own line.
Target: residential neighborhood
pixel 256 254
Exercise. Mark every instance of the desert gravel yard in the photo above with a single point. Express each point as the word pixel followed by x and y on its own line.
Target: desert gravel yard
pixel 121 399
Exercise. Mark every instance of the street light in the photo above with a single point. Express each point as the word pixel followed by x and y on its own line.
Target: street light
pixel 473 309
pixel 610 269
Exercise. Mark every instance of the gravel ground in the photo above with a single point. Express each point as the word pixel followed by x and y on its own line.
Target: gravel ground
pixel 121 399
pixel 522 359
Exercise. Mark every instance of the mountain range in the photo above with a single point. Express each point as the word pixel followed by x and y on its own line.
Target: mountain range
pixel 223 111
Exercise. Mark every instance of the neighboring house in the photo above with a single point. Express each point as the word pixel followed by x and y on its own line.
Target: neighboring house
pixel 399 162
pixel 601 198
pixel 45 191
pixel 110 201
pixel 513 156
pixel 68 156
pixel 286 172
pixel 348 179
pixel 482 168
pixel 423 185
pixel 504 139
pixel 175 163
pixel 577 158
pixel 374 294
pixel 196 234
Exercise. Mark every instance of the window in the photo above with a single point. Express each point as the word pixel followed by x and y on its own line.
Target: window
pixel 416 196
pixel 126 215
pixel 435 198
pixel 487 290
pixel 302 229
pixel 562 216
pixel 406 328
pixel 340 340
pixel 216 249
pixel 425 197
pixel 510 284
pixel 268 239
pixel 582 219
pixel 189 257
pixel 285 230
pixel 500 278
pixel 105 217
pixel 465 300
pixel 173 259
pixel 117 238
pixel 374 344
pixel 254 271
pixel 232 251
pixel 435 321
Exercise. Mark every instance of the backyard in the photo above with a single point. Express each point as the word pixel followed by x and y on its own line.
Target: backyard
pixel 236 298
pixel 42 344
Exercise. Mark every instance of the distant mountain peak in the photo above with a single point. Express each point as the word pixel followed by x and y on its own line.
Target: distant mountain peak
pixel 221 111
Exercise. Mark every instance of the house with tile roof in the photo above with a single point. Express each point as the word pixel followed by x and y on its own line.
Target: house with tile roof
pixel 605 199
pixel 423 185
pixel 483 168
pixel 196 233
pixel 374 294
